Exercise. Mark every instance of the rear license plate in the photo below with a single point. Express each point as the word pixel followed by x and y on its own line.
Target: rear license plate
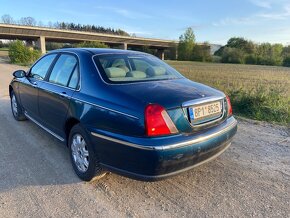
pixel 204 111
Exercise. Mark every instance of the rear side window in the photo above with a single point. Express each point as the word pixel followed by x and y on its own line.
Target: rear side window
pixel 39 70
pixel 73 83
pixel 65 71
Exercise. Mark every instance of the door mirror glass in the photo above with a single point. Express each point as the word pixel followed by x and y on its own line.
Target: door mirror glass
pixel 19 74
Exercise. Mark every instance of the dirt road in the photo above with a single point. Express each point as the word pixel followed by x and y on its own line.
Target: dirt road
pixel 252 178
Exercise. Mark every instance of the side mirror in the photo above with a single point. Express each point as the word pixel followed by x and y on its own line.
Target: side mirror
pixel 19 74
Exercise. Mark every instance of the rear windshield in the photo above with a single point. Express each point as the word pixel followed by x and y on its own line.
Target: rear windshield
pixel 116 68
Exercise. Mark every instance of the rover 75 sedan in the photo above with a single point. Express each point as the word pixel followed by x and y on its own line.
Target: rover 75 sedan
pixel 123 111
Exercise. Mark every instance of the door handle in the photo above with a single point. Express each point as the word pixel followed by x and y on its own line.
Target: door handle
pixel 63 95
pixel 34 84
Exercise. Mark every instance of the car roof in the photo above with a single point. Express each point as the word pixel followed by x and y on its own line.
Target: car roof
pixel 95 51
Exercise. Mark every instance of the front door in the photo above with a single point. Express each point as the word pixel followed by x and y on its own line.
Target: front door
pixel 56 91
pixel 29 88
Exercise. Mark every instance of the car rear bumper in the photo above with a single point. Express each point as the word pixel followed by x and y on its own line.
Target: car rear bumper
pixel 157 158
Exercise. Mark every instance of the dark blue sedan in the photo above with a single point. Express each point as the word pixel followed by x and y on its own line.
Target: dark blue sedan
pixel 123 111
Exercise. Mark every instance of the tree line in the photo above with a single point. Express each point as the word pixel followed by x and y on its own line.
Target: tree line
pixel 238 50
pixel 30 21
pixel 241 51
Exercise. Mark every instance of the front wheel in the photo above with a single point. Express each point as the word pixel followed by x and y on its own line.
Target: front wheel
pixel 16 108
pixel 84 160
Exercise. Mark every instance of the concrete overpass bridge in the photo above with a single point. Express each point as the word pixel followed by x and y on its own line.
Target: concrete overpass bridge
pixel 42 34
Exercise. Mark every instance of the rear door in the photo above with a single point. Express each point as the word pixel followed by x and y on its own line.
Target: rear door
pixel 56 91
pixel 30 86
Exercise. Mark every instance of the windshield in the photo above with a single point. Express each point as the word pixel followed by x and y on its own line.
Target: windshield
pixel 122 68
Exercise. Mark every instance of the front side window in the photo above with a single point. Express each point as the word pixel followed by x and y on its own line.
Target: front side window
pixel 122 68
pixel 65 71
pixel 39 70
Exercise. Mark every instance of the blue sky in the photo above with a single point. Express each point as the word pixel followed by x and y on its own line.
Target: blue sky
pixel 214 21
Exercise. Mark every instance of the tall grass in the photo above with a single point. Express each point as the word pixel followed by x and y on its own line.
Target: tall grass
pixel 256 92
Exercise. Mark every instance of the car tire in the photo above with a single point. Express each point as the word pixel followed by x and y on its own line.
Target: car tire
pixel 84 160
pixel 17 111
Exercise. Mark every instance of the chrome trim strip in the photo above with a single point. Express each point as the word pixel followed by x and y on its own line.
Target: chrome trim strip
pixel 66 87
pixel 202 100
pixel 126 143
pixel 200 139
pixel 86 102
pixel 46 129
pixel 167 147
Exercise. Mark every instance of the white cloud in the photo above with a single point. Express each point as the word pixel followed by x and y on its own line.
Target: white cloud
pixel 262 3
pixel 282 13
pixel 234 21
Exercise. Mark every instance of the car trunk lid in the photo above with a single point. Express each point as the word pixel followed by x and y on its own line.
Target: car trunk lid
pixel 176 95
pixel 168 93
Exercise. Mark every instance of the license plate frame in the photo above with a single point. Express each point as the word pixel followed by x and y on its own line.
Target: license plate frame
pixel 205 111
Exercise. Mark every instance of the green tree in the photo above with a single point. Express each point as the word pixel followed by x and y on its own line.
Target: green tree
pixel 201 53
pixel 251 59
pixel 246 46
pixel 233 55
pixel 186 45
pixel 286 51
pixel 268 54
pixel 286 61
pixel 20 54
pixel 94 44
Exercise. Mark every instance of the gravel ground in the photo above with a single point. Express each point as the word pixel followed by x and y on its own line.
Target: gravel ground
pixel 252 178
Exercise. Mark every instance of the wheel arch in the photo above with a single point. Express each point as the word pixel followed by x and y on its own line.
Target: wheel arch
pixel 69 124
pixel 10 90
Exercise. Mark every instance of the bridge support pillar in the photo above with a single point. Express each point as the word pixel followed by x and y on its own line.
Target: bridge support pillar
pixel 160 53
pixel 41 44
pixel 125 46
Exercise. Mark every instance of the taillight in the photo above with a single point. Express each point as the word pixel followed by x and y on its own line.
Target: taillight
pixel 157 121
pixel 230 109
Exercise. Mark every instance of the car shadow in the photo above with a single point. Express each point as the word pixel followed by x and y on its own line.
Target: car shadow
pixel 29 155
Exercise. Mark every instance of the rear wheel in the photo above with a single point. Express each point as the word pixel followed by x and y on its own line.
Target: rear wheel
pixel 16 108
pixel 84 160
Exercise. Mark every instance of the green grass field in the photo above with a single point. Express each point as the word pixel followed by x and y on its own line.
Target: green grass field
pixel 257 92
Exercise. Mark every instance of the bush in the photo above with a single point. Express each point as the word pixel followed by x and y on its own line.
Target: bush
pixel 216 59
pixel 233 55
pixel 251 59
pixel 286 61
pixel 20 54
pixel 53 45
pixel 201 53
pixel 94 44
pixel 261 105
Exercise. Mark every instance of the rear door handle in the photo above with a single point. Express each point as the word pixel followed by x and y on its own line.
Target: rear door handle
pixel 63 95
pixel 34 84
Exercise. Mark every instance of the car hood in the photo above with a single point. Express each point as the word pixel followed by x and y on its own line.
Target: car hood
pixel 168 93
